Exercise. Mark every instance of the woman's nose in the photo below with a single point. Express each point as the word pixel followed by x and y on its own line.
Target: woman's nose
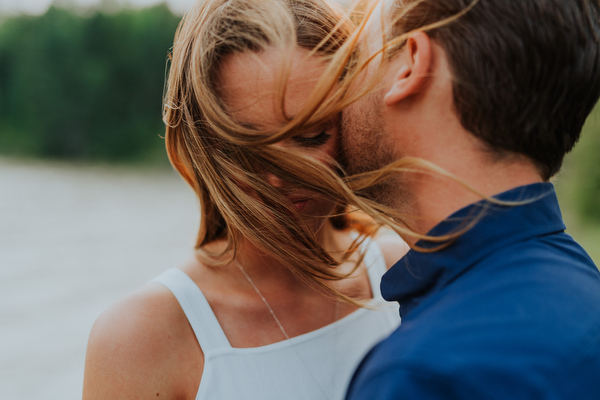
pixel 273 180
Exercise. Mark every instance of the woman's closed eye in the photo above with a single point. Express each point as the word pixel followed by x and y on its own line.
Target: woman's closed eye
pixel 312 141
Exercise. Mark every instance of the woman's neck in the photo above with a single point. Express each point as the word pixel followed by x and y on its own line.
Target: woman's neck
pixel 267 270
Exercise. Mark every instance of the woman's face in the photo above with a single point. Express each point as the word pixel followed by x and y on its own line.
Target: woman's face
pixel 248 85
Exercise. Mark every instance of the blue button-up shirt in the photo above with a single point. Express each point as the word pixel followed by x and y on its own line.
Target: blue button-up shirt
pixel 509 310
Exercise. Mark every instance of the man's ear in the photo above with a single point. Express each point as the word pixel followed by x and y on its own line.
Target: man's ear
pixel 413 75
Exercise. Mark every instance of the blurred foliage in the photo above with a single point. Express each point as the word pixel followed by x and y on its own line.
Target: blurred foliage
pixel 578 188
pixel 585 162
pixel 80 87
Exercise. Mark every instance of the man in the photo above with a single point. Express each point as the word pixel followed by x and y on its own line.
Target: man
pixel 494 95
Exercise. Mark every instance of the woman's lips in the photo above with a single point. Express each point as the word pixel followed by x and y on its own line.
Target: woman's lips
pixel 300 204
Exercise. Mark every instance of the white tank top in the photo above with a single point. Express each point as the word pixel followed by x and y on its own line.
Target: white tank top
pixel 313 366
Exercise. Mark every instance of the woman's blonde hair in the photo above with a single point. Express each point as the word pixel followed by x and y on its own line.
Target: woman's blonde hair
pixel 223 161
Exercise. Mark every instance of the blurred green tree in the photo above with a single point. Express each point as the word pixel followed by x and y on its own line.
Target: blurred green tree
pixel 84 87
pixel 588 161
pixel 578 188
pixel 579 181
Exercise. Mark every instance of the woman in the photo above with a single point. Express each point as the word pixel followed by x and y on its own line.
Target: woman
pixel 268 309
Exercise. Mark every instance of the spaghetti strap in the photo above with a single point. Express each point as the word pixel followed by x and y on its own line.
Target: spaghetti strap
pixel 375 263
pixel 206 327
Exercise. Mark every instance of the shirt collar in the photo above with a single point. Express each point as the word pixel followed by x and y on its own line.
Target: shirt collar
pixel 419 274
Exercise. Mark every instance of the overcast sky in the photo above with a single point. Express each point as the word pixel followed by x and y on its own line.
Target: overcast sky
pixel 37 7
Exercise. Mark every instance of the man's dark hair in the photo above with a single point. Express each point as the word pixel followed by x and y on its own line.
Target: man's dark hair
pixel 527 72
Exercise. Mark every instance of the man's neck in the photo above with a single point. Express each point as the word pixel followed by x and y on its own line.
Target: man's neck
pixel 434 198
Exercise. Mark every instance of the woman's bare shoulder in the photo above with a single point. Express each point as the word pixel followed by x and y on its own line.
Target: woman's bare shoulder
pixel 138 347
pixel 392 246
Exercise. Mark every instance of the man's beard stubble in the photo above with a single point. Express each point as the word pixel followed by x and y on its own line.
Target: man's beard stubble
pixel 365 146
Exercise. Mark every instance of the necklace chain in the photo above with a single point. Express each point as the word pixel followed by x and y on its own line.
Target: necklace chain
pixel 264 300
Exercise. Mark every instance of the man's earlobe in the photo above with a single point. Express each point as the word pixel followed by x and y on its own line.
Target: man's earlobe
pixel 411 78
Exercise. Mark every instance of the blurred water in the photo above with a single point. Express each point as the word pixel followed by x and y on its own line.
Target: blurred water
pixel 73 239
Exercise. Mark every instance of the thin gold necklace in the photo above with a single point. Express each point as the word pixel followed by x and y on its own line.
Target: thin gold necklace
pixel 264 300
pixel 251 282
